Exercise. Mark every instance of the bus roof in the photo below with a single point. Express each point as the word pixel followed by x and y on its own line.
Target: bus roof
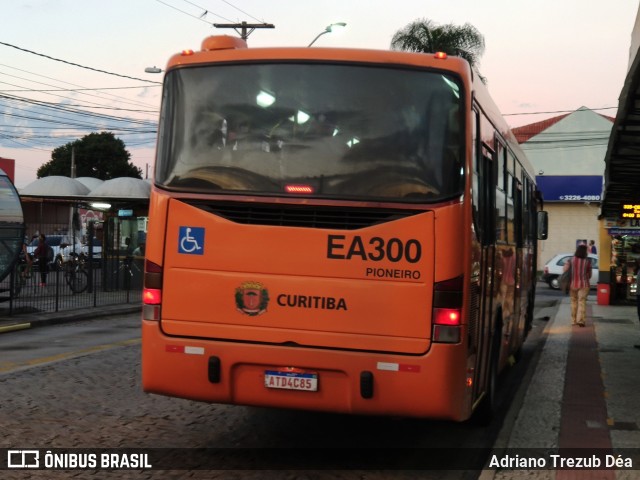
pixel 228 49
pixel 223 48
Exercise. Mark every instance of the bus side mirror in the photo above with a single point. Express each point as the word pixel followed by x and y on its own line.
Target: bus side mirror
pixel 543 225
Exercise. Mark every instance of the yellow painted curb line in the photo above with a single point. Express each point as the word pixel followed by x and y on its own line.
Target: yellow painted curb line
pixel 17 326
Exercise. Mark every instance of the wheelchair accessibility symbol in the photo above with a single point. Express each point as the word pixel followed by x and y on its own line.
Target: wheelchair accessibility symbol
pixel 191 240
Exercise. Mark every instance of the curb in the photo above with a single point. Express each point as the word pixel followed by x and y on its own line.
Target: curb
pixel 33 321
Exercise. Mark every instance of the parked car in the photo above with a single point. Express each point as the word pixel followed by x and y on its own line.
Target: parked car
pixel 63 246
pixel 554 267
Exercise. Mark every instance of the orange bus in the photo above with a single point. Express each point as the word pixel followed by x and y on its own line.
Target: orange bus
pixel 339 230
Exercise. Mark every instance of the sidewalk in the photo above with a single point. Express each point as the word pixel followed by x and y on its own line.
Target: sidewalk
pixel 584 394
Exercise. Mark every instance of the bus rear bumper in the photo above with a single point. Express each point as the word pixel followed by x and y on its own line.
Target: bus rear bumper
pixel 428 386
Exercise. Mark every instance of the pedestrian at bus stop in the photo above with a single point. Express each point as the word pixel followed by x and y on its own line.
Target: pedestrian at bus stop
pixel 43 254
pixel 579 285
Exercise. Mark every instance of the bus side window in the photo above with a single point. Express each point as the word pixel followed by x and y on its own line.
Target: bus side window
pixel 476 159
pixel 487 197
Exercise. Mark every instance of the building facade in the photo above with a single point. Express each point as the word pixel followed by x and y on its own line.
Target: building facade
pixel 567 152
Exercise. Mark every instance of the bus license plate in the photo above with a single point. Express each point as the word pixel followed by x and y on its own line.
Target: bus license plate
pixel 289 380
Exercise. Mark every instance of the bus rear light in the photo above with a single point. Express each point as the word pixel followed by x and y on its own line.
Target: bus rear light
pixel 440 55
pixel 300 189
pixel 152 291
pixel 152 267
pixel 446 334
pixel 151 312
pixel 187 52
pixel 151 296
pixel 152 275
pixel 446 316
pixel 446 325
pixel 447 310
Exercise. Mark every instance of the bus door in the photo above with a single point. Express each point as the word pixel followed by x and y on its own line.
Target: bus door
pixel 522 287
pixel 486 226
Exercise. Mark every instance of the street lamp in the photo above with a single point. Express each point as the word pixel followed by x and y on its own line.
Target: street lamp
pixel 329 29
pixel 153 69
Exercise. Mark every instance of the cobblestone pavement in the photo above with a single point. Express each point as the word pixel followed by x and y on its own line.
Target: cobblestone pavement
pixel 95 401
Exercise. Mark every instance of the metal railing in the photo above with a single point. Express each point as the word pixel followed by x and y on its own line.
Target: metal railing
pixel 72 285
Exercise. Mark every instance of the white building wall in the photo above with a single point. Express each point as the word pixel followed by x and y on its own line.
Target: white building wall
pixel 568 222
pixel 576 145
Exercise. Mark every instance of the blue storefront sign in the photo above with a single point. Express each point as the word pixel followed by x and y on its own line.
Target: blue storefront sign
pixel 570 188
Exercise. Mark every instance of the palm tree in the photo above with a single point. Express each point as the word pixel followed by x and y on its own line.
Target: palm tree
pixel 427 37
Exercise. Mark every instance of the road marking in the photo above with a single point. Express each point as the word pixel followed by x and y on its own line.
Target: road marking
pixel 9 366
pixel 17 326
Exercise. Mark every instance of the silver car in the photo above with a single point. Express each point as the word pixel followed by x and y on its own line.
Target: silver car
pixel 62 245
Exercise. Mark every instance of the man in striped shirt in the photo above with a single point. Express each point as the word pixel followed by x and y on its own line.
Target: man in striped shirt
pixel 579 287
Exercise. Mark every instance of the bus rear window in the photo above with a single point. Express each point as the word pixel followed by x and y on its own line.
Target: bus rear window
pixel 314 130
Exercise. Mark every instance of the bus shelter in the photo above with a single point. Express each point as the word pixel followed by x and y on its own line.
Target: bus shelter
pixel 105 223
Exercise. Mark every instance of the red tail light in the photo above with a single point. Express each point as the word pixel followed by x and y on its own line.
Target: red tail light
pixel 152 291
pixel 446 316
pixel 152 296
pixel 447 310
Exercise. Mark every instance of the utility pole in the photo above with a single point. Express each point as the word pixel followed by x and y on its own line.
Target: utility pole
pixel 247 28
pixel 73 162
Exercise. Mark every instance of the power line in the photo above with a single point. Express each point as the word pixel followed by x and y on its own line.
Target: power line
pixel 77 64
pixel 80 87
pixel 244 26
pixel 192 16
pixel 91 104
pixel 74 111
pixel 242 11
pixel 206 12
pixel 557 111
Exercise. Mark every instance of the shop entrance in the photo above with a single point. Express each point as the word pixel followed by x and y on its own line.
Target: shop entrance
pixel 625 258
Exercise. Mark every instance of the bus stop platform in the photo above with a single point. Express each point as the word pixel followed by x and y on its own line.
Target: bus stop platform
pixel 580 412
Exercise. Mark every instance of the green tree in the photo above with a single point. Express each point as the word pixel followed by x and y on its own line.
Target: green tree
pixel 427 37
pixel 100 155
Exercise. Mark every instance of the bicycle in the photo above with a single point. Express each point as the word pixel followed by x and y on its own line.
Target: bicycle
pixel 75 274
pixel 127 264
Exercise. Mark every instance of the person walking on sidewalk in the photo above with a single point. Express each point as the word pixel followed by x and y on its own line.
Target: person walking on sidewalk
pixel 580 265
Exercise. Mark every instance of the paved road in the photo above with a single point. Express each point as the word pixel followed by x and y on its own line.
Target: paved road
pixel 78 385
pixel 41 346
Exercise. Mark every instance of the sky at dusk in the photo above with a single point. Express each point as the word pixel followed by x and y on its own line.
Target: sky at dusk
pixel 545 56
